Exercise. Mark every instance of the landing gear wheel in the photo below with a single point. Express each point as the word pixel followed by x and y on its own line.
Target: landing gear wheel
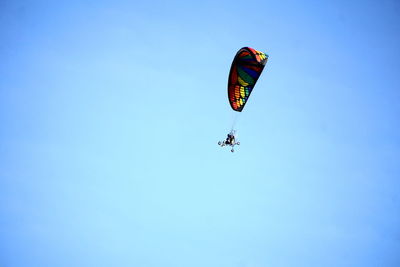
pixel 238 143
pixel 219 142
pixel 232 150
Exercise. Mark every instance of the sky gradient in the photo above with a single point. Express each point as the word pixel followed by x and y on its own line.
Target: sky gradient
pixel 111 111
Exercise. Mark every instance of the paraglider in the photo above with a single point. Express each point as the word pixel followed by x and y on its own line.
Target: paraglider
pixel 230 140
pixel 245 70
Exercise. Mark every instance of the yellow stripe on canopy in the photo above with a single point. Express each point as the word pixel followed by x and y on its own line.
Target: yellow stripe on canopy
pixel 242 83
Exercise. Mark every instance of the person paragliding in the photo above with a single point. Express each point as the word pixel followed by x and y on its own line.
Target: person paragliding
pixel 245 70
pixel 229 141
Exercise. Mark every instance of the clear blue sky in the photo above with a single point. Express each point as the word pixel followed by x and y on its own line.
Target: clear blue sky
pixel 111 111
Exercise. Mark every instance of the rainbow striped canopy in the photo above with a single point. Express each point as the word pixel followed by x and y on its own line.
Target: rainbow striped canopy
pixel 245 70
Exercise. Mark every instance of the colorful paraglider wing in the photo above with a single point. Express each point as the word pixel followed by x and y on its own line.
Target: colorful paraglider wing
pixel 245 70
